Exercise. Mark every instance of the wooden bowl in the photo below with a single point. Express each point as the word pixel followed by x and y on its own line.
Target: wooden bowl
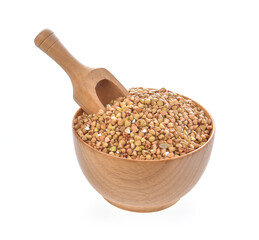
pixel 142 185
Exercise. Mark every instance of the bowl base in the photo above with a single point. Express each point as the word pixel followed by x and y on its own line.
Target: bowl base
pixel 134 209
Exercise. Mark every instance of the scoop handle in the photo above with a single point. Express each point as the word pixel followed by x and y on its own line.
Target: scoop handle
pixel 47 41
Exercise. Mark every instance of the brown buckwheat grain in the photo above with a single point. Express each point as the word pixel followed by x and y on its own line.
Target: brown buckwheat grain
pixel 149 124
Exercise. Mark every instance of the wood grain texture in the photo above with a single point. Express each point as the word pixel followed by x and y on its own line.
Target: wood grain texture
pixel 92 88
pixel 142 185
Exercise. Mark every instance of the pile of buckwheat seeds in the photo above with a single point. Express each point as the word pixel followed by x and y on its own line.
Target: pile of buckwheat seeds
pixel 148 124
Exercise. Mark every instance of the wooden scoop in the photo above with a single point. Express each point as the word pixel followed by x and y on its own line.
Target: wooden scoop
pixel 92 87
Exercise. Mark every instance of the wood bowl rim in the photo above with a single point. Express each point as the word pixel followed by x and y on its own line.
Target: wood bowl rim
pixel 158 160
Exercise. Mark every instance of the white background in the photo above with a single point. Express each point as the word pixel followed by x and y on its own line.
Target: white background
pixel 207 50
